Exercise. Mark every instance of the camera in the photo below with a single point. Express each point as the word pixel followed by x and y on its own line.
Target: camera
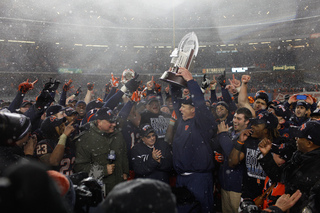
pixel 248 206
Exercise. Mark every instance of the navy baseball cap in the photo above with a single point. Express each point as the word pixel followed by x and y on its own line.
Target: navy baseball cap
pixel 303 103
pixel 267 118
pixel 54 109
pixel 48 125
pixel 187 100
pixel 262 95
pixel 311 131
pixel 146 129
pixel 281 111
pixel 105 114
pixel 70 111
pixel 94 104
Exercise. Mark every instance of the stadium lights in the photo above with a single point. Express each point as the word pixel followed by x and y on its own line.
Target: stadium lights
pixel 96 45
pixel 18 41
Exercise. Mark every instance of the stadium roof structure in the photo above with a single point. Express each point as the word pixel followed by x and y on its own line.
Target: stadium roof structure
pixel 140 22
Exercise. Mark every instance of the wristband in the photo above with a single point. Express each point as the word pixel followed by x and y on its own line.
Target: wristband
pixel 172 122
pixel 63 139
pixel 239 145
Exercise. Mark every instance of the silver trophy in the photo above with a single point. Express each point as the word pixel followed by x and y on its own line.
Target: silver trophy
pixel 183 56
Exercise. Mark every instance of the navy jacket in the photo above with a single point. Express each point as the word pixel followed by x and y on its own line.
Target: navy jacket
pixel 192 151
pixel 145 166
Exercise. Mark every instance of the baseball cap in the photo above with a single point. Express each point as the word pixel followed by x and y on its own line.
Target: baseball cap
pixel 151 98
pixel 311 131
pixel 105 114
pixel 49 124
pixel 281 111
pixel 54 109
pixel 26 103
pixel 145 130
pixel 81 102
pixel 187 100
pixel 223 103
pixel 94 104
pixel 13 127
pixel 315 112
pixel 303 103
pixel 262 95
pixel 70 111
pixel 267 118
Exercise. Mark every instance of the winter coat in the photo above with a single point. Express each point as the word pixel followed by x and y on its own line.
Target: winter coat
pixel 92 149
pixel 301 172
pixel 145 166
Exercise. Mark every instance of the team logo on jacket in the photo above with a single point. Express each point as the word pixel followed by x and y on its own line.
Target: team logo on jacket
pixel 186 127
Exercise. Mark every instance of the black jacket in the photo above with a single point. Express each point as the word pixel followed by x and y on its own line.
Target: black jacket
pixel 301 172
pixel 145 166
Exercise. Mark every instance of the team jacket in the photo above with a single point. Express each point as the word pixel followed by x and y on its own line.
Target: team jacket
pixel 144 166
pixel 192 151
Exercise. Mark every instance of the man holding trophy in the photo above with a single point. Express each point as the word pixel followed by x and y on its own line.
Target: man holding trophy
pixel 192 153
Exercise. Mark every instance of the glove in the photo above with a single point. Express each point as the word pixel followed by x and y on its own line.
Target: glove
pixel 114 81
pixel 67 86
pixel 132 85
pixel 43 100
pixel 222 80
pixel 55 85
pixel 205 82
pixel 90 86
pixel 24 87
pixel 78 92
pixel 48 85
pixel 218 157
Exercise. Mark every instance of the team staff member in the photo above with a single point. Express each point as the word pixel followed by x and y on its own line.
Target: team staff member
pixel 94 145
pixel 192 153
pixel 151 158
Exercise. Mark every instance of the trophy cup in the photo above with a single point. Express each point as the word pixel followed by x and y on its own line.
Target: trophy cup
pixel 183 56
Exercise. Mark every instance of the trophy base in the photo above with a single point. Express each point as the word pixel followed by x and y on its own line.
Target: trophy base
pixel 172 78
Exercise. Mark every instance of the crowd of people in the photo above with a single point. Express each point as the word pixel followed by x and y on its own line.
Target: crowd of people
pixel 145 147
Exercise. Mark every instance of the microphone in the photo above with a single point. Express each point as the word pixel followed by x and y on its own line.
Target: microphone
pixel 112 156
